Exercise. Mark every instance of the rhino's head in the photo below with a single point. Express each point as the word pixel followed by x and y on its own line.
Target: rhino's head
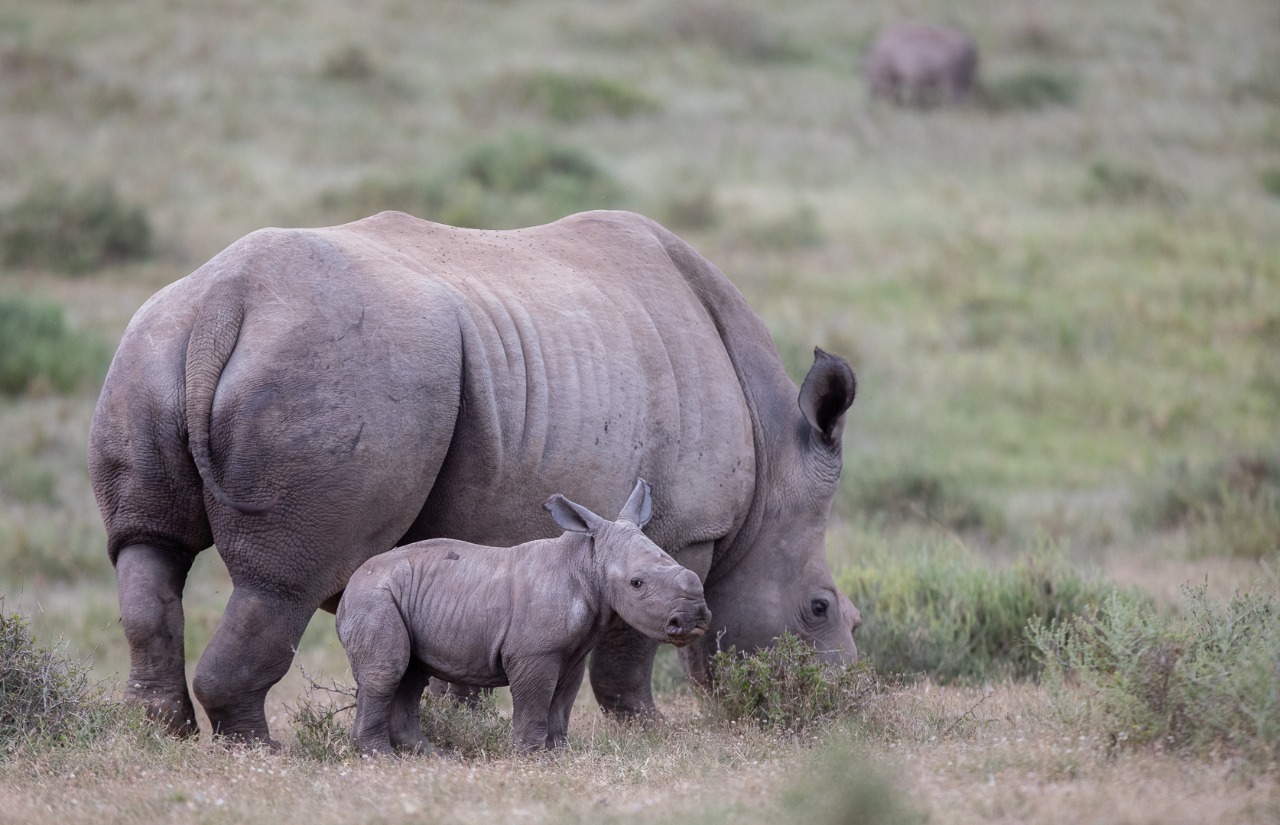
pixel 644 585
pixel 775 577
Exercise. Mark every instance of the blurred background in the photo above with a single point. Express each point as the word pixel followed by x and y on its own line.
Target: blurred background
pixel 1062 295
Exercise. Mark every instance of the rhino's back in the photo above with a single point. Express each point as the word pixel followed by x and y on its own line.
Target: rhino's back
pixel 569 358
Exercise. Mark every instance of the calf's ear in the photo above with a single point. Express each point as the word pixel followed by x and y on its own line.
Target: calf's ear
pixel 639 507
pixel 572 516
pixel 828 391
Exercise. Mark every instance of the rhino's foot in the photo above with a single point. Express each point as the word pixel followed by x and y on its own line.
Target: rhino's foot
pixel 171 710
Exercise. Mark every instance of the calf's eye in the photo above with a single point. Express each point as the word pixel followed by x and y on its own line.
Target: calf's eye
pixel 636 583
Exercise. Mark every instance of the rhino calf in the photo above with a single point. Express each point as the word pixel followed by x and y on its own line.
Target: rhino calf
pixel 526 616
pixel 921 64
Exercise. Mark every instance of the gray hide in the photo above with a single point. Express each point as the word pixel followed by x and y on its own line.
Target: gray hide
pixel 921 64
pixel 525 616
pixel 311 398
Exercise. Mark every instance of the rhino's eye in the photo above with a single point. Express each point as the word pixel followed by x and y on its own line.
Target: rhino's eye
pixel 819 607
pixel 636 583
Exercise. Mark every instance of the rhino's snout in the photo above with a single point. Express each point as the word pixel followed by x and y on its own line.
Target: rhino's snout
pixel 686 625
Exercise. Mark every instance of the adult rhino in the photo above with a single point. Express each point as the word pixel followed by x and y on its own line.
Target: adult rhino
pixel 310 398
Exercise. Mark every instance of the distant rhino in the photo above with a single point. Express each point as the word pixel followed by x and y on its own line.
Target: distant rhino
pixel 921 64
pixel 310 398
pixel 526 616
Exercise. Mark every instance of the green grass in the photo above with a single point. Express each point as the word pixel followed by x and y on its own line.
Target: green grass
pixel 39 353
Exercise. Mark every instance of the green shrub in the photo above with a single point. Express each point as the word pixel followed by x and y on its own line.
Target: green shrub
pixel 520 180
pixel 1230 508
pixel 73 230
pixel 1119 183
pixel 1031 89
pixel 940 612
pixel 1269 178
pixel 786 686
pixel 38 351
pixel 1207 679
pixel 46 698
pixel 566 98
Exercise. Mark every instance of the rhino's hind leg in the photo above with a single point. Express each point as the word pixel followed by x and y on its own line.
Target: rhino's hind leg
pixel 250 652
pixel 150 582
pixel 622 674
pixel 405 723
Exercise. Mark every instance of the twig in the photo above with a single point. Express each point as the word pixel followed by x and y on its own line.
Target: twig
pixel 968 712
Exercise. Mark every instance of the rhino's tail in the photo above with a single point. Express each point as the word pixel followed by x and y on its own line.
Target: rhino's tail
pixel 213 339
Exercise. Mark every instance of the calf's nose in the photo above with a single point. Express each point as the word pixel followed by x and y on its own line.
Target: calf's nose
pixel 689 583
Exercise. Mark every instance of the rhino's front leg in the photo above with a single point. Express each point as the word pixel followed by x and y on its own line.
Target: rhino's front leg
pixel 622 673
pixel 533 684
pixel 405 724
pixel 562 704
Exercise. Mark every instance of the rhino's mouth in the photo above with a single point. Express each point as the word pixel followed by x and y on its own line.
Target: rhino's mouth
pixel 682 639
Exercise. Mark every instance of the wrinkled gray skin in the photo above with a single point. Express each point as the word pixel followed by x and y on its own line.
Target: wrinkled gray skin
pixel 311 398
pixel 525 616
pixel 921 64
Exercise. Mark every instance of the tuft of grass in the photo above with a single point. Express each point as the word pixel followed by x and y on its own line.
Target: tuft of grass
pixel 519 180
pixel 47 698
pixel 39 353
pixel 1028 90
pixel 1127 184
pixel 786 686
pixel 733 30
pixel 841 786
pixel 1269 179
pixel 564 97
pixel 73 230
pixel 915 494
pixel 942 613
pixel 324 715
pixel 1231 507
pixel 1206 679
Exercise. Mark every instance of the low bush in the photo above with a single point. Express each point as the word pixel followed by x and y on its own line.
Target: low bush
pixel 39 352
pixel 1230 507
pixel 565 98
pixel 1125 184
pixel 736 31
pixel 1206 679
pixel 940 612
pixel 1028 90
pixel 519 180
pixel 71 230
pixel 786 686
pixel 916 494
pixel 47 698
pixel 1269 179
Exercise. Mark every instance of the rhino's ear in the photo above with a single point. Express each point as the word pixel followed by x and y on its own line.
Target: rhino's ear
pixel 639 507
pixel 571 516
pixel 826 394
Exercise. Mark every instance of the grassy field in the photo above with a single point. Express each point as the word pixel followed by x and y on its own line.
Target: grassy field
pixel 1062 300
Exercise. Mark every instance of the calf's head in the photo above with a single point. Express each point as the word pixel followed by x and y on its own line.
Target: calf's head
pixel 641 583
